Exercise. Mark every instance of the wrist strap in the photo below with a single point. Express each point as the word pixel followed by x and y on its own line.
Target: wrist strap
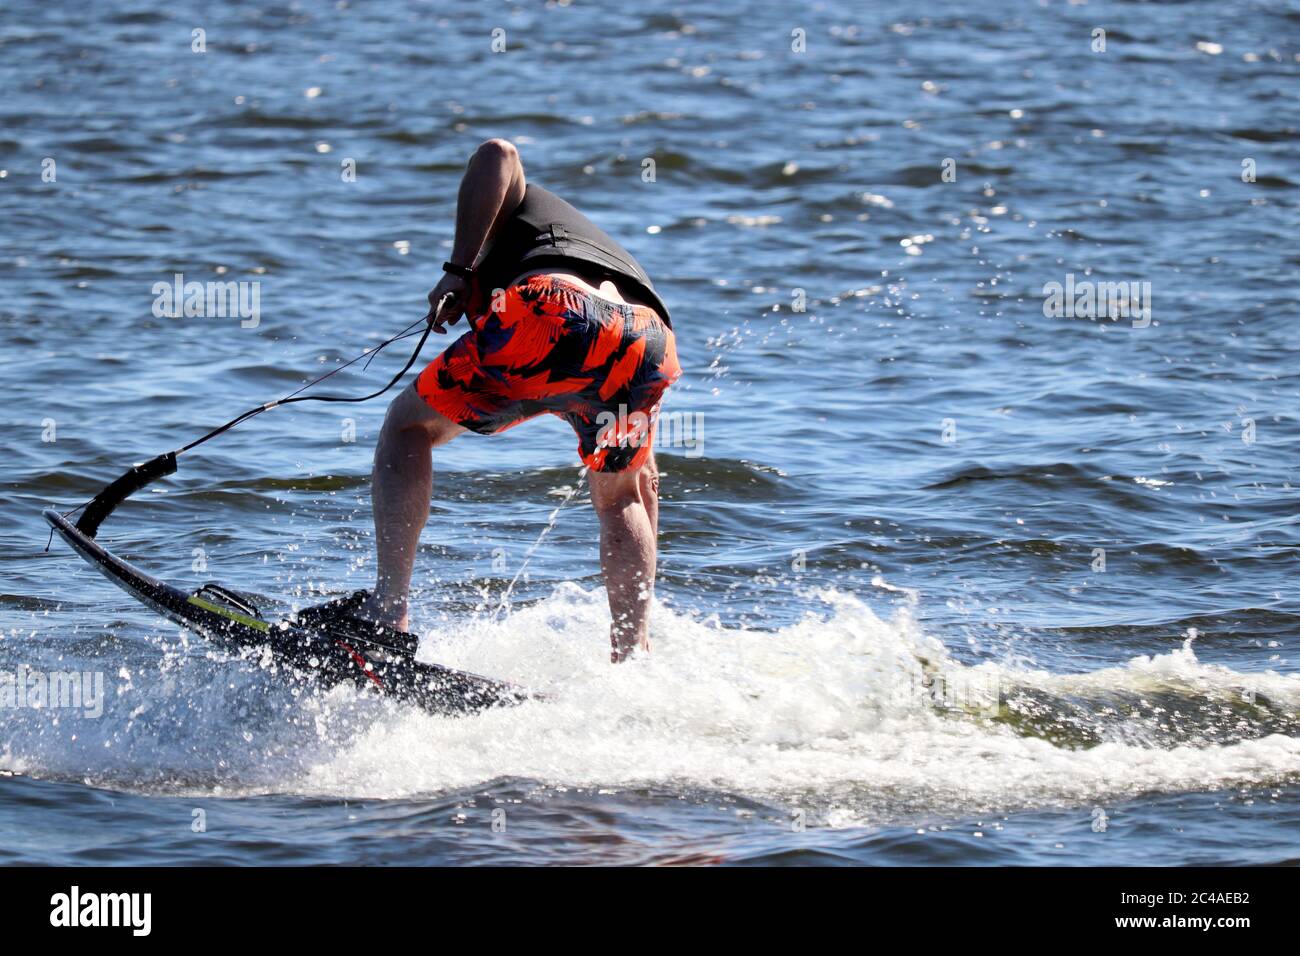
pixel 462 271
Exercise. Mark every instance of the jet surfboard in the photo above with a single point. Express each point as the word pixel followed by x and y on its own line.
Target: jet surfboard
pixel 313 655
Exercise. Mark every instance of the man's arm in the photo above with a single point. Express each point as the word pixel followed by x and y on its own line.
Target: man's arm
pixel 491 190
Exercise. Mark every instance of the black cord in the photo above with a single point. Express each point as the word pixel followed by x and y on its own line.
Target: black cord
pixel 295 395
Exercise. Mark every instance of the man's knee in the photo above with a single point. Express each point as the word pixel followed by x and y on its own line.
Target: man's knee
pixel 612 492
pixel 648 479
pixel 409 412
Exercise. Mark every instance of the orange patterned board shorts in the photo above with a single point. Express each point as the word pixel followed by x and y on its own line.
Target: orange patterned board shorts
pixel 554 347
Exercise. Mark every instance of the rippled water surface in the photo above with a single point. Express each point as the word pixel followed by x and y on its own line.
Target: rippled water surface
pixel 947 580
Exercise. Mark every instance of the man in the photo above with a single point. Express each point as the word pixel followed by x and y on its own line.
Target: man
pixel 563 320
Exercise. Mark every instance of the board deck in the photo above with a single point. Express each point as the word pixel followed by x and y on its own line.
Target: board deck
pixel 322 659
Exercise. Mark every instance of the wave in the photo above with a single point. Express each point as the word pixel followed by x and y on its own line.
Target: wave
pixel 855 717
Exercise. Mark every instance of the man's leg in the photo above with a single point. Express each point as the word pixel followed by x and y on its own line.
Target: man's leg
pixel 401 486
pixel 627 503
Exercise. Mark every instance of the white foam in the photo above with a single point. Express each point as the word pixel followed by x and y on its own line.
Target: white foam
pixel 833 710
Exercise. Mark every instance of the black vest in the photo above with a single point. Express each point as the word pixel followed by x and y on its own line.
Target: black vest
pixel 544 231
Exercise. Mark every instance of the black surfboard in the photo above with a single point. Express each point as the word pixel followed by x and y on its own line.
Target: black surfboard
pixel 232 622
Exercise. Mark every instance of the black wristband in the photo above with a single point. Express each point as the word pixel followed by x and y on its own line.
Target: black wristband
pixel 462 271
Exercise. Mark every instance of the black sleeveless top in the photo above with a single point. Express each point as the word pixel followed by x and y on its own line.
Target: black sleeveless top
pixel 543 231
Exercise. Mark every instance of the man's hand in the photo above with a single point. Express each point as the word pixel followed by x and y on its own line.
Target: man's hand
pixel 455 290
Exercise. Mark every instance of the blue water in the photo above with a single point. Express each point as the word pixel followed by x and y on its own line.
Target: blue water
pixel 909 483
